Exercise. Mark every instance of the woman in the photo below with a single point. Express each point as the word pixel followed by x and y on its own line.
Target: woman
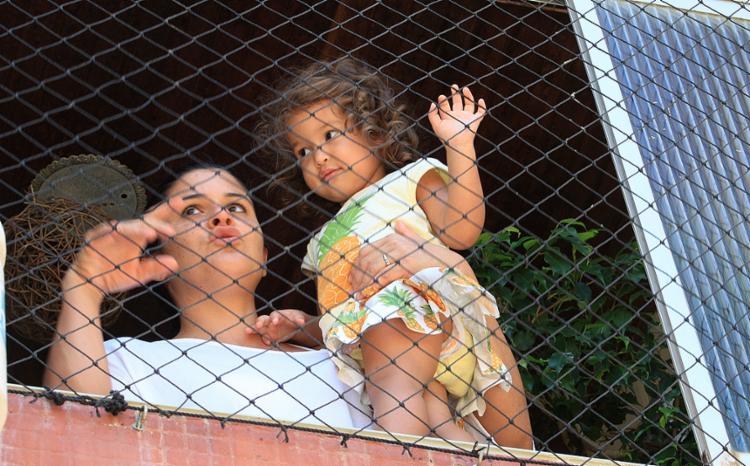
pixel 214 258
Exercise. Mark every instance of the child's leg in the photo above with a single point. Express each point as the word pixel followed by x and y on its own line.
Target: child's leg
pixel 507 416
pixel 441 420
pixel 399 364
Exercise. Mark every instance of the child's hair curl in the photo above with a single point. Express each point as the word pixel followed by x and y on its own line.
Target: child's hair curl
pixel 369 105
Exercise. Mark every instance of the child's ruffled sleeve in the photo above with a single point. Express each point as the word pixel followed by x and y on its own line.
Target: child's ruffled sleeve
pixel 310 261
pixel 415 171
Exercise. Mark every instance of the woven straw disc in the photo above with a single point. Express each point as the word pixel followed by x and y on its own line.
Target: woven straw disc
pixel 69 197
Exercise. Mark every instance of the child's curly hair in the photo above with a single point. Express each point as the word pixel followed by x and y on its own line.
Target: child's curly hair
pixel 366 99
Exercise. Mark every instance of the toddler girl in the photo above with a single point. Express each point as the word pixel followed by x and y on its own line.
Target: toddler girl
pixel 417 342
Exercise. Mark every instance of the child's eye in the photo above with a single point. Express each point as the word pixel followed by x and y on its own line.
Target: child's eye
pixel 190 210
pixel 302 153
pixel 332 134
pixel 235 208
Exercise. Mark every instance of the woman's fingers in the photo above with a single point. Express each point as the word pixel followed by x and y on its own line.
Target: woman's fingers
pixel 366 267
pixel 403 229
pixel 156 268
pixel 162 216
pixel 385 258
pixel 163 229
pixel 135 231
pixel 390 274
pixel 165 210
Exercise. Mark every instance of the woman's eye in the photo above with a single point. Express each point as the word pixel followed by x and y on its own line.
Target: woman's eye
pixel 190 210
pixel 302 153
pixel 235 208
pixel 332 134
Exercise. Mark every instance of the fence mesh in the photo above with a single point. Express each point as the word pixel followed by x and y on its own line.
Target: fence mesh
pixel 161 86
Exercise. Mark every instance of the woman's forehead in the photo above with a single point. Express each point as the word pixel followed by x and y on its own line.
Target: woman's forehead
pixel 204 180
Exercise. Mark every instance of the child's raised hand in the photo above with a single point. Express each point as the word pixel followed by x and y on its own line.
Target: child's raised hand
pixel 455 119
pixel 279 326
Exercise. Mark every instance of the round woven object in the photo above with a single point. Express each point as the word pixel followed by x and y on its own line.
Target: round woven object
pixel 68 198
pixel 43 239
pixel 92 180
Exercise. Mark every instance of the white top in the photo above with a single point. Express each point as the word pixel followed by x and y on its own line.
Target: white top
pixel 224 379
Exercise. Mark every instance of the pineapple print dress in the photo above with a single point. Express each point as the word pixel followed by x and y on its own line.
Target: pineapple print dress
pixel 467 365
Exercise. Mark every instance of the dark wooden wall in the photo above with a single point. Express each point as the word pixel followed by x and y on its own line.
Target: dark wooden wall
pixel 158 84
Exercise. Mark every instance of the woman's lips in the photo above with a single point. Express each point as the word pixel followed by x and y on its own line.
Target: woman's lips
pixel 226 234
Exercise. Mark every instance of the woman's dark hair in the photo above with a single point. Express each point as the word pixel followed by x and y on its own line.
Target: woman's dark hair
pixel 369 105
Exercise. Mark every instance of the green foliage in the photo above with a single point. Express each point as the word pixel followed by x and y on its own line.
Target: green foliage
pixel 591 350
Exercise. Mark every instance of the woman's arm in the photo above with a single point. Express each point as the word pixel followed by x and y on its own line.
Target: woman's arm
pixel 76 360
pixel 111 261
pixel 408 253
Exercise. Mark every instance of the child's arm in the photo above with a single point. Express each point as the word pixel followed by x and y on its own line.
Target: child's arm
pixel 455 210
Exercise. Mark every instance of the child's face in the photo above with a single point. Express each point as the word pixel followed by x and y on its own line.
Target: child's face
pixel 336 160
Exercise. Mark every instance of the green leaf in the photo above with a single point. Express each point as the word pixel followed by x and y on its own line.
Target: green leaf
pixel 558 361
pixel 583 292
pixel 530 244
pixel 523 340
pixel 341 226
pixel 557 262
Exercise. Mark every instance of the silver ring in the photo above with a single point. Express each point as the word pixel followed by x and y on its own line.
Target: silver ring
pixel 387 260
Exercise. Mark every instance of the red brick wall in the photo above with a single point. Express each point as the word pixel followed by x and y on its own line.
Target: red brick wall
pixel 42 433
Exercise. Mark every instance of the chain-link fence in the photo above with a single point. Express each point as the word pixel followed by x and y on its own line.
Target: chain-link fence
pixel 612 161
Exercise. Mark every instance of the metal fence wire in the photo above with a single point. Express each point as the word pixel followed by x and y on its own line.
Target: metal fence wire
pixel 104 105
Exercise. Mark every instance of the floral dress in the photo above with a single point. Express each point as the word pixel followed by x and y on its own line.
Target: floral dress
pixel 467 364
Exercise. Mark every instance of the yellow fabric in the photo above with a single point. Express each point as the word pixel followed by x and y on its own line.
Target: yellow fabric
pixel 456 369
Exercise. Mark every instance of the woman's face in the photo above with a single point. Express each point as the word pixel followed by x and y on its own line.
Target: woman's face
pixel 218 240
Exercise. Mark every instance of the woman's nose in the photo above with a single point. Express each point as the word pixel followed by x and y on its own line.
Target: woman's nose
pixel 221 218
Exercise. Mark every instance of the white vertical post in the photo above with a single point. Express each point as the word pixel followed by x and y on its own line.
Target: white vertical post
pixel 684 343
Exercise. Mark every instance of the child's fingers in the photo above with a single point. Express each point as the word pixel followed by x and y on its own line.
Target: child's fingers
pixel 433 116
pixel 444 106
pixel 260 324
pixel 458 103
pixel 481 112
pixel 468 100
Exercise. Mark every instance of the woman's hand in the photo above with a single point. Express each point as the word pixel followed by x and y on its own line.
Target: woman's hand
pixel 112 259
pixel 406 252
